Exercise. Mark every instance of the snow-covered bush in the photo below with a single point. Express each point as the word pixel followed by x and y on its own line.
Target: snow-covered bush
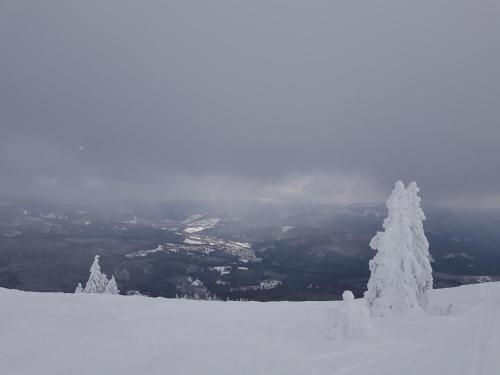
pixel 353 318
pixel 79 288
pixel 400 271
pixel 98 283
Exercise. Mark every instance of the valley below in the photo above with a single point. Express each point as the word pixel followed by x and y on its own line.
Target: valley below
pixel 262 252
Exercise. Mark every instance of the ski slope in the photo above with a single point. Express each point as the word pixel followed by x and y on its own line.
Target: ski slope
pixel 61 334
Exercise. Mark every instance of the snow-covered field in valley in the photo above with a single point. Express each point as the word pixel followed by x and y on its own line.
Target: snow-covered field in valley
pixel 52 333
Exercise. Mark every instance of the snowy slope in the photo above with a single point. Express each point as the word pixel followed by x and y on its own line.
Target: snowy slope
pixel 49 333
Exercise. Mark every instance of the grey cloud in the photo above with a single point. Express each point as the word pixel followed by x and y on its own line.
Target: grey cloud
pixel 266 99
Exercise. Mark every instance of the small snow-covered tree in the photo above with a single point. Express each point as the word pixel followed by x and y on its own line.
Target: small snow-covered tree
pixel 111 287
pixel 79 288
pixel 98 283
pixel 353 321
pixel 97 280
pixel 393 286
pixel 420 245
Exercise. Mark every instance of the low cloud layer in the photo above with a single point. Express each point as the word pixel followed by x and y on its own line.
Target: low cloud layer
pixel 314 101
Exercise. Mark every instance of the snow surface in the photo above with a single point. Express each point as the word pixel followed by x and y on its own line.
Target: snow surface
pixel 60 334
pixel 190 241
pixel 194 229
pixel 200 225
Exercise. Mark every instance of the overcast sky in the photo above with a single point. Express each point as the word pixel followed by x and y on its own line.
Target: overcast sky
pixel 327 101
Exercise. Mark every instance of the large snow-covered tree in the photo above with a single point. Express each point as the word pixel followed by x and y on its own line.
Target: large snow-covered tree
pixel 97 280
pixel 420 244
pixel 399 275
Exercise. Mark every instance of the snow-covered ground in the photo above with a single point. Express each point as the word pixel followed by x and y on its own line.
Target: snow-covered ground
pixel 50 333
pixel 197 225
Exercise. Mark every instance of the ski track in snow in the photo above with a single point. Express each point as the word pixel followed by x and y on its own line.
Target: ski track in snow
pixel 60 334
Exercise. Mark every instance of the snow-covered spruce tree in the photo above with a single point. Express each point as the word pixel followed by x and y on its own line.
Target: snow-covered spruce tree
pixel 393 286
pixel 111 287
pixel 420 245
pixel 97 281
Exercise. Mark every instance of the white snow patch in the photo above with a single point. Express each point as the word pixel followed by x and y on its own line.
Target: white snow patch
pixel 200 225
pixel 193 229
pixel 223 270
pixel 143 253
pixel 196 282
pixel 58 215
pixel 191 241
pixel 242 244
